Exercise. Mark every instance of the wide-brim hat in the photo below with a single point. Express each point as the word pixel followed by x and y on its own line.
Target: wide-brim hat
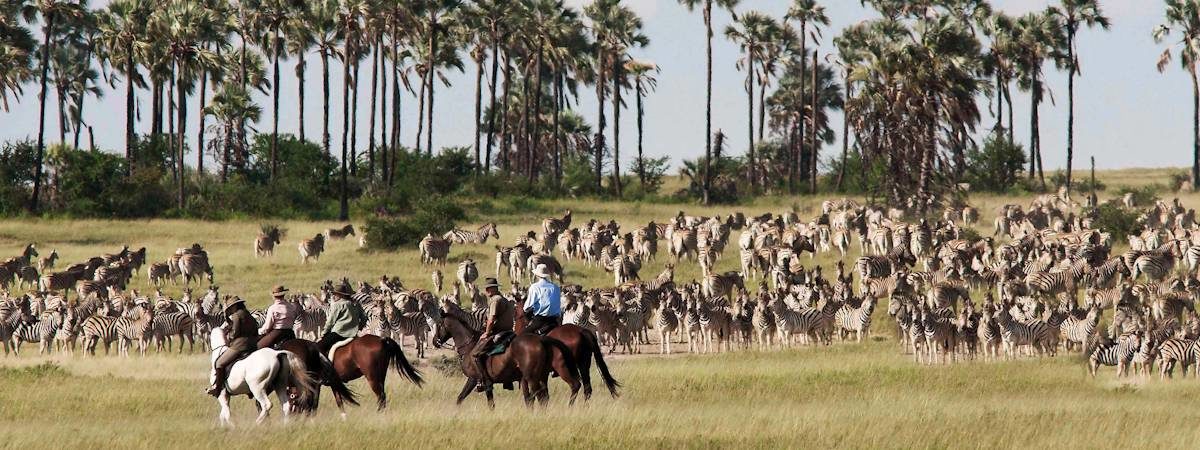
pixel 343 290
pixel 230 302
pixel 278 291
pixel 490 282
pixel 541 271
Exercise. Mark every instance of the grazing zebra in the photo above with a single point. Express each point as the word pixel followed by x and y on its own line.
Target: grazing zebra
pixel 716 285
pixel 1119 353
pixel 158 273
pixel 480 236
pixel 176 324
pixel 139 329
pixel 855 320
pixel 192 265
pixel 264 244
pixel 434 250
pixel 311 248
pixel 337 234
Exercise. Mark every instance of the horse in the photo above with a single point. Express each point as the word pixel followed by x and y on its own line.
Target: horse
pixel 584 346
pixel 369 355
pixel 258 375
pixel 529 360
pixel 323 372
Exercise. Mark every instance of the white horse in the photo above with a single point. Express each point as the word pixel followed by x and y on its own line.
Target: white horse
pixel 263 372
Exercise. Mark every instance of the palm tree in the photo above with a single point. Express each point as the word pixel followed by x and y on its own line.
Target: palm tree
pixel 349 19
pixel 1070 16
pixel 268 19
pixel 50 11
pixel 708 6
pixel 230 106
pixel 1183 17
pixel 121 26
pixel 618 29
pixel 752 32
pixel 644 81
pixel 327 36
pixel 299 40
pixel 807 12
pixel 16 49
pixel 1038 39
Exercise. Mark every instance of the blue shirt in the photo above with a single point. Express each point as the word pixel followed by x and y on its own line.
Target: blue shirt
pixel 545 299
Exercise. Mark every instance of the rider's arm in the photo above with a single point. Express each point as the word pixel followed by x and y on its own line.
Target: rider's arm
pixel 531 299
pixel 491 318
pixel 272 313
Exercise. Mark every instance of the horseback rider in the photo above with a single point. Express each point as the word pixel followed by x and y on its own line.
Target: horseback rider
pixel 241 336
pixel 281 317
pixel 346 318
pixel 543 304
pixel 501 316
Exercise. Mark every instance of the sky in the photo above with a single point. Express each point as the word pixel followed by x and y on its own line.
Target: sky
pixel 1127 113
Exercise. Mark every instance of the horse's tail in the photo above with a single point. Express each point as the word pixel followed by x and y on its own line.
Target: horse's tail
pixel 406 370
pixel 594 344
pixel 297 376
pixel 567 356
pixel 335 383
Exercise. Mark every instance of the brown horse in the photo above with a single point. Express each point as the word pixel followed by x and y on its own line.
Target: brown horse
pixel 320 369
pixel 584 345
pixel 528 360
pixel 369 355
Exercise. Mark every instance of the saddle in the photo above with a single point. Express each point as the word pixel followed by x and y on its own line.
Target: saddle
pixel 336 346
pixel 500 342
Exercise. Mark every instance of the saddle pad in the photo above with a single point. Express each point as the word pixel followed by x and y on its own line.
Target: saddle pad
pixel 336 346
pixel 501 342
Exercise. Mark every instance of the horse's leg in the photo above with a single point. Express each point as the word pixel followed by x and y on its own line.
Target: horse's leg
pixel 264 403
pixel 375 378
pixel 224 419
pixel 526 391
pixel 284 403
pixel 490 398
pixel 466 390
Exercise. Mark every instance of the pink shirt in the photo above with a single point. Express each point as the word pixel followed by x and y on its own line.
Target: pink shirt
pixel 281 315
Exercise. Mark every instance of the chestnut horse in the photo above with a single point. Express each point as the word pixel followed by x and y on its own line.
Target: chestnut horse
pixel 584 345
pixel 529 359
pixel 320 369
pixel 369 355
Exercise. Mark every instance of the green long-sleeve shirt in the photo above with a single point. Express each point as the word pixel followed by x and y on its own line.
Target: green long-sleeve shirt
pixel 345 318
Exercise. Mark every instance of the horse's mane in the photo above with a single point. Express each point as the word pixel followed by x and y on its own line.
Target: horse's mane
pixel 458 316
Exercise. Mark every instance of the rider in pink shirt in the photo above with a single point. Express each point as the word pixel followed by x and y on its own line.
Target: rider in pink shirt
pixel 281 316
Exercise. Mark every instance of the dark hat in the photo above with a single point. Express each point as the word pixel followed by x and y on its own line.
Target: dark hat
pixel 490 282
pixel 230 301
pixel 278 291
pixel 343 290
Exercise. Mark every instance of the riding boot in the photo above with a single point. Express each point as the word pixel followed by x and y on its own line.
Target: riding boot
pixel 485 380
pixel 218 383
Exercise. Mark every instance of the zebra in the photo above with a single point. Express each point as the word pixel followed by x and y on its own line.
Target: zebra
pixel 166 326
pixel 1037 334
pixel 518 262
pixel 1173 351
pixel 42 332
pixel 47 263
pixel 941 337
pixel 159 273
pixel 434 250
pixel 264 244
pixel 556 225
pixel 311 248
pixel 98 329
pixel 480 236
pixel 1155 264
pixel 192 265
pixel 1119 353
pixel 1077 330
pixel 411 324
pixel 855 320
pixel 666 321
pixel 311 318
pixel 763 321
pixel 716 285
pixel 882 266
pixel 337 234
pixel 436 277
pixel 139 329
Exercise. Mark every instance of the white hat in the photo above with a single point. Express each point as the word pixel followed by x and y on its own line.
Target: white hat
pixel 541 271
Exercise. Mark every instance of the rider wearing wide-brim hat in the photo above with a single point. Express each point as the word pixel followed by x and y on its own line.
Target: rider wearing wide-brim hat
pixel 281 317
pixel 241 337
pixel 543 304
pixel 502 314
pixel 346 318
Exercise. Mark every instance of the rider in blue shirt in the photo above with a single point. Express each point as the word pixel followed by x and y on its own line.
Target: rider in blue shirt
pixel 543 304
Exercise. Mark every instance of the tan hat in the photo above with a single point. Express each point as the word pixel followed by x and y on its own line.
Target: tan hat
pixel 278 291
pixel 231 301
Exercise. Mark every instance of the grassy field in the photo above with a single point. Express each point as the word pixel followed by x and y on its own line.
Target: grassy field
pixel 846 395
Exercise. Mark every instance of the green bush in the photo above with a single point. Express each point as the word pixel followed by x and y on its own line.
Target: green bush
pixel 93 184
pixel 1112 217
pixel 16 175
pixel 996 166
pixel 435 215
pixel 1142 196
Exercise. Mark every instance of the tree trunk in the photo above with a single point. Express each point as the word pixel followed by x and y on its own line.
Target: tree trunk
pixel 354 119
pixel 1070 106
pixel 383 122
pixel 420 113
pixel 374 100
pixel 130 135
pixel 201 118
pixel 617 75
pixel 750 120
pixel 325 111
pixel 558 106
pixel 1195 127
pixel 535 133
pixel 344 204
pixel 155 104
pixel 276 49
pixel 301 68
pixel 1035 156
pixel 600 122
pixel 641 159
pixel 181 108
pixel 707 177
pixel 487 162
pixel 505 123
pixel 478 110
pixel 41 148
pixel 812 181
pixel 845 132
pixel 430 74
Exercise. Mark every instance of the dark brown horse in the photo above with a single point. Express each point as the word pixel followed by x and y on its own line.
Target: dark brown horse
pixel 369 356
pixel 584 345
pixel 322 370
pixel 528 360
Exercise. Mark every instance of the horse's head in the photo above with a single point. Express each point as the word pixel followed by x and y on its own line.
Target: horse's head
pixel 441 333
